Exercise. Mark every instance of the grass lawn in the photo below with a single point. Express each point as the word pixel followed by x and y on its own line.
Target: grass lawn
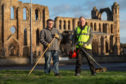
pixel 67 77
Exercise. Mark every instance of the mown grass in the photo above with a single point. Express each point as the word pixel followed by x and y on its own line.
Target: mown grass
pixel 67 77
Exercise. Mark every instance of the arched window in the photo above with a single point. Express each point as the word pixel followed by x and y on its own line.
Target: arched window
pixel 104 16
pixel 91 25
pixel 107 50
pixel 105 28
pixel 100 27
pixel 64 25
pixel 68 25
pixel 36 14
pixel 37 37
pixel 24 14
pixel 12 12
pixel 60 23
pixel 13 29
pixel 94 26
pixel 112 28
pixel 2 31
pixel 25 36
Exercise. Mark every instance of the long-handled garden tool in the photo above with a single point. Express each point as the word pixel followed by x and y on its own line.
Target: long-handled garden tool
pixel 101 69
pixel 40 57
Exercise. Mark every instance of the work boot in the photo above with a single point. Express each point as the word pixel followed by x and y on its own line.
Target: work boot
pixel 57 74
pixel 77 74
pixel 93 74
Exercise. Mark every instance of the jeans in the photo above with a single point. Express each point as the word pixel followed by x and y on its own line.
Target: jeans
pixel 48 55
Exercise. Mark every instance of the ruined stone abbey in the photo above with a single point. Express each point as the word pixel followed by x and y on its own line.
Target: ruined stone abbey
pixel 103 44
pixel 15 28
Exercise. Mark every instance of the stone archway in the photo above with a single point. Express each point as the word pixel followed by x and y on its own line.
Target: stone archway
pixel 108 12
pixel 13 50
pixel 13 47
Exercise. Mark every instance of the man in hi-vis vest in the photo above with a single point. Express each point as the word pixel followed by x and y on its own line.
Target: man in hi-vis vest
pixel 82 39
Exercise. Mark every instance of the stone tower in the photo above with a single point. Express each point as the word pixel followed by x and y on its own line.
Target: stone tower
pixel 116 20
pixel 114 30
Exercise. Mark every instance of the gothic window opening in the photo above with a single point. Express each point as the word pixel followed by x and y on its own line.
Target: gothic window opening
pixel 111 42
pixel 107 50
pixel 37 37
pixel 95 27
pixel 24 14
pixel 112 28
pixel 64 25
pixel 12 13
pixel 36 14
pixel 60 22
pixel 91 25
pixel 100 28
pixel 105 28
pixel 43 20
pixel 68 25
pixel 25 36
pixel 12 50
pixel 2 24
pixel 104 16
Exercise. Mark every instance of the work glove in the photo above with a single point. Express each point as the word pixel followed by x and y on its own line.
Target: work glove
pixel 56 36
pixel 48 45
pixel 84 45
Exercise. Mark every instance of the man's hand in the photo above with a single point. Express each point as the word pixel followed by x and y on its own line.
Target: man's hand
pixel 85 45
pixel 48 45
pixel 56 36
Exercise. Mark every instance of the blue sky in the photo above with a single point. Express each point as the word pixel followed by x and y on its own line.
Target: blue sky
pixel 76 8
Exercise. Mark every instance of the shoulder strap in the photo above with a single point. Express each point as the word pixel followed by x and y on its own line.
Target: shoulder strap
pixel 79 33
pixel 88 29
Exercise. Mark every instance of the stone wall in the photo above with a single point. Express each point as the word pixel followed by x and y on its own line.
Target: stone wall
pixel 15 27
pixel 15 30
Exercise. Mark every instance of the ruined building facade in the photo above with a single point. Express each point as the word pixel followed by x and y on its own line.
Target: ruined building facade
pixel 103 44
pixel 15 28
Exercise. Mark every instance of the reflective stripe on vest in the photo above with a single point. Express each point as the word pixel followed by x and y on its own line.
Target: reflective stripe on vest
pixel 83 37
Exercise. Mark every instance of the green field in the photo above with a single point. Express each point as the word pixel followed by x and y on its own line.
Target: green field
pixel 67 77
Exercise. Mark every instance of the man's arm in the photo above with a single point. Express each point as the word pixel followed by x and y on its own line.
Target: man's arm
pixel 58 35
pixel 42 38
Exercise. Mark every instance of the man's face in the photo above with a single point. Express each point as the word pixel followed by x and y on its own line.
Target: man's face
pixel 81 22
pixel 50 24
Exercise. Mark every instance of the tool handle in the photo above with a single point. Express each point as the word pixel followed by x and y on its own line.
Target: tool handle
pixel 40 57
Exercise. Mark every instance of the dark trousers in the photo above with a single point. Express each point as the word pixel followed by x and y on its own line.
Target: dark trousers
pixel 80 55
